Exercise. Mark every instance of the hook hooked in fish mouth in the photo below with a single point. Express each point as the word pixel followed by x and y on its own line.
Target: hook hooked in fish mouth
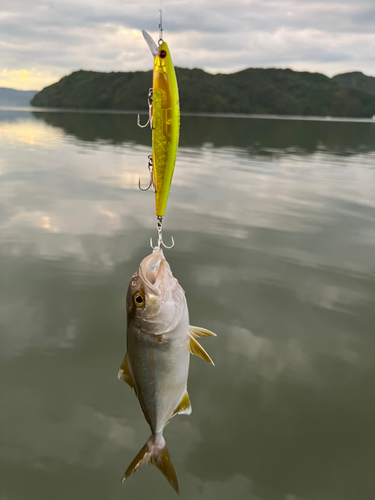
pixel 149 270
pixel 159 225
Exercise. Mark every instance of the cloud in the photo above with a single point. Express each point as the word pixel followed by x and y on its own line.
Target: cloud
pixel 54 38
pixel 26 79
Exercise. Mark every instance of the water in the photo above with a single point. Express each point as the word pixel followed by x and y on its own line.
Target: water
pixel 274 228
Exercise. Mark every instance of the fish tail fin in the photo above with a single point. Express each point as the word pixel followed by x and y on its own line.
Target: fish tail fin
pixel 155 452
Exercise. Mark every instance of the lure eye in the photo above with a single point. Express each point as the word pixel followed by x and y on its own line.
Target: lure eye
pixel 162 54
pixel 139 300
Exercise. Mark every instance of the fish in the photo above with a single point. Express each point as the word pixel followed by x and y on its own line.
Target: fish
pixel 164 120
pixel 156 365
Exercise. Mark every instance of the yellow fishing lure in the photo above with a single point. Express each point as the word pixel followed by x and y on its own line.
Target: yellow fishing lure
pixel 164 119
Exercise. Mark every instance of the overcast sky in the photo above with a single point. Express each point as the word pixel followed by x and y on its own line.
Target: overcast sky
pixel 41 41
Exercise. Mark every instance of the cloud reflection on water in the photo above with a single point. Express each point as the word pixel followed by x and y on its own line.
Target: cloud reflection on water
pixel 274 251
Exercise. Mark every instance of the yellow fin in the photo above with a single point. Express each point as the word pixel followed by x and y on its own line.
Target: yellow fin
pixel 125 372
pixel 184 406
pixel 156 453
pixel 164 464
pixel 197 349
pixel 196 332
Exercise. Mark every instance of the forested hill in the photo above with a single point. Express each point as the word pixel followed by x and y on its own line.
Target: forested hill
pixel 265 91
pixel 356 80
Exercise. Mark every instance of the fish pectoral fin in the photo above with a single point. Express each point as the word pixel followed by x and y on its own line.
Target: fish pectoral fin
pixel 197 349
pixel 196 331
pixel 125 372
pixel 184 406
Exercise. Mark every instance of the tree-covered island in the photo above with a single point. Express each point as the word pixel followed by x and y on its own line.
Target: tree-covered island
pixel 253 90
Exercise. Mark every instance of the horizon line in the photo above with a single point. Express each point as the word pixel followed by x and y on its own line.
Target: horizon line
pixel 191 69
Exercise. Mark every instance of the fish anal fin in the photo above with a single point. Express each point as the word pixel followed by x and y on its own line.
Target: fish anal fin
pixel 196 349
pixel 156 453
pixel 196 332
pixel 184 406
pixel 125 372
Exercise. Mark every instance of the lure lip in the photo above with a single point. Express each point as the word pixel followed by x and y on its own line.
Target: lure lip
pixel 151 43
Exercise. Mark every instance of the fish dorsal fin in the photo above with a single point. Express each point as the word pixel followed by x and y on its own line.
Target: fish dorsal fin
pixel 125 372
pixel 184 406
pixel 197 349
pixel 196 331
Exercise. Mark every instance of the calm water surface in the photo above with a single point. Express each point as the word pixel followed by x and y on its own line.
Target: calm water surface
pixel 275 248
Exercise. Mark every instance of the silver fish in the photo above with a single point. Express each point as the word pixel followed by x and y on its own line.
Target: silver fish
pixel 156 365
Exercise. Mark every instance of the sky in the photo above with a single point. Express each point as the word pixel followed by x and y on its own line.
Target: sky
pixel 42 41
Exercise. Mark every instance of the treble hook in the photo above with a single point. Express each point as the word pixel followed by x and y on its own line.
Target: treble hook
pixel 149 101
pixel 161 243
pixel 150 167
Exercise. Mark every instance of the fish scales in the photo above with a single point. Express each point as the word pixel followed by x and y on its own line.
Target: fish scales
pixel 156 365
pixel 160 367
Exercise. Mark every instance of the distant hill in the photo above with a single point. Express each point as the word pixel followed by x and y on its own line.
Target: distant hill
pixel 254 90
pixel 356 80
pixel 18 98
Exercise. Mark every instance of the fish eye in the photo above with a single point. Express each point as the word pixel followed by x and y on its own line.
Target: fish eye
pixel 162 54
pixel 139 300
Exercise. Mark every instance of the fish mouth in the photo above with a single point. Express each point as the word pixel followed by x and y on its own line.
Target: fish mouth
pixel 151 270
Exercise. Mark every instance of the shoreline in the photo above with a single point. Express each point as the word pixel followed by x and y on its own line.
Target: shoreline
pixel 209 115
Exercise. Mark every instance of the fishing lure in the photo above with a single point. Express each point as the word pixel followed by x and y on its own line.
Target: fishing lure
pixel 164 120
